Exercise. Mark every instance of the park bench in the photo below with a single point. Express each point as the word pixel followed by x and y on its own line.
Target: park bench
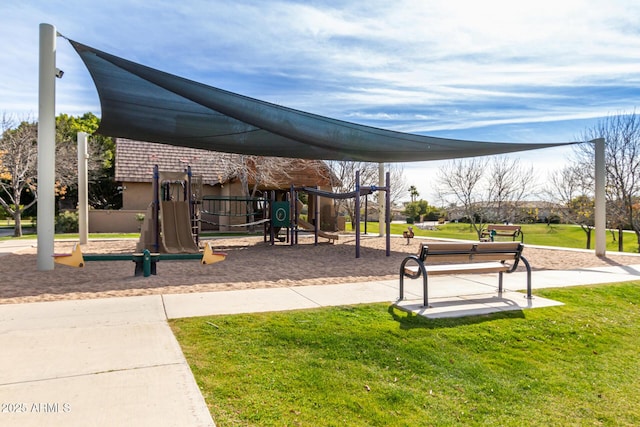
pixel 463 258
pixel 494 230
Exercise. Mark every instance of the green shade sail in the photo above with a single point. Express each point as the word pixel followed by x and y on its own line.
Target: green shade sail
pixel 145 104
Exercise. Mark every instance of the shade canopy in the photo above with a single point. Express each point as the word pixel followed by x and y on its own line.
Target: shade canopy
pixel 145 104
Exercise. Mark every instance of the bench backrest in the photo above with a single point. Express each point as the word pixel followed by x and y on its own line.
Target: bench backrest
pixel 471 252
pixel 498 227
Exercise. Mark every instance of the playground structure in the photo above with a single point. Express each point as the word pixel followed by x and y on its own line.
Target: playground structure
pixel 170 230
pixel 286 214
pixel 171 224
pixel 228 213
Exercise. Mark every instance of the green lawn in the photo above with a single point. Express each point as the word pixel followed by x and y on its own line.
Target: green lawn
pixel 569 236
pixel 372 365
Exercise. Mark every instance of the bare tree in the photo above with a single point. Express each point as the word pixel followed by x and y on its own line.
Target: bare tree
pixel 508 184
pixel 343 181
pixel 622 162
pixel 258 173
pixel 460 183
pixel 572 189
pixel 18 167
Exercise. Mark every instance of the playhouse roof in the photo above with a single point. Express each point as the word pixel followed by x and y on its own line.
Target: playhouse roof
pixel 135 161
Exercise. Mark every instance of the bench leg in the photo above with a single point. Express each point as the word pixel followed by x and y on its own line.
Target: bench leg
pixel 423 272
pixel 526 264
pixel 425 287
pixel 500 282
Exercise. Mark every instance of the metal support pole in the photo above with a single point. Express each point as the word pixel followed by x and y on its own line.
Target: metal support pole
pixel 316 214
pixel 272 234
pixel 156 208
pixel 46 146
pixel 83 189
pixel 600 202
pixel 356 214
pixel 388 212
pixel 382 202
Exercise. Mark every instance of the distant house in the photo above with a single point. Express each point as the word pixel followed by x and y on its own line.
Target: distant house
pixel 135 160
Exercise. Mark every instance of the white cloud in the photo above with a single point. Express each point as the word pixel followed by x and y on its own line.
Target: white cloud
pixel 409 64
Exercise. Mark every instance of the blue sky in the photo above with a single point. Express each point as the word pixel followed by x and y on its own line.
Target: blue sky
pixel 512 71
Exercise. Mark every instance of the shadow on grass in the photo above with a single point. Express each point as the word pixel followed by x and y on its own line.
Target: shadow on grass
pixel 410 320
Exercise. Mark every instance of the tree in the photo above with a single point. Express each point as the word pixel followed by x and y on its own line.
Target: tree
pixel 508 183
pixel 572 189
pixel 103 189
pixel 460 183
pixel 258 173
pixel 413 193
pixel 622 163
pixel 18 167
pixel 418 208
pixel 486 190
pixel 343 181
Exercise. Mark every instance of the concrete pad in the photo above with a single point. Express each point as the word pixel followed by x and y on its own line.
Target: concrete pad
pixel 446 307
pixel 156 396
pixel 231 302
pixel 508 301
pixel 37 355
pixel 474 305
pixel 81 313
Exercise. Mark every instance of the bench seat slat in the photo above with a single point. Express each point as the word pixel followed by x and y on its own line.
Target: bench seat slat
pixel 476 267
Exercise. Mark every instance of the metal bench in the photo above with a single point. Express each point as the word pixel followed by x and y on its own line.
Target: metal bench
pixel 463 258
pixel 494 230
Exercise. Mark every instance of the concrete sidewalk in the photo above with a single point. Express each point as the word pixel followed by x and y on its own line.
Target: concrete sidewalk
pixel 115 361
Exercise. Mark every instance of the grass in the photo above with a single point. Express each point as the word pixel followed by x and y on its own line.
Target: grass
pixel 373 365
pixel 562 235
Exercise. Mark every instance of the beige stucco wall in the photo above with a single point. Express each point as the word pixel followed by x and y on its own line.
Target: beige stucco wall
pixel 138 195
pixel 108 221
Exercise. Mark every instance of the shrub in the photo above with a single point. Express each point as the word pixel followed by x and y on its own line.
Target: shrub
pixel 67 222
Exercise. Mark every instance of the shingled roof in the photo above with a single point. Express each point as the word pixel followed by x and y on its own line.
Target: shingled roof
pixel 135 161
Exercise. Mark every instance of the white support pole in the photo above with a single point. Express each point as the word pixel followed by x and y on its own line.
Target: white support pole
pixel 83 189
pixel 381 198
pixel 46 146
pixel 600 202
